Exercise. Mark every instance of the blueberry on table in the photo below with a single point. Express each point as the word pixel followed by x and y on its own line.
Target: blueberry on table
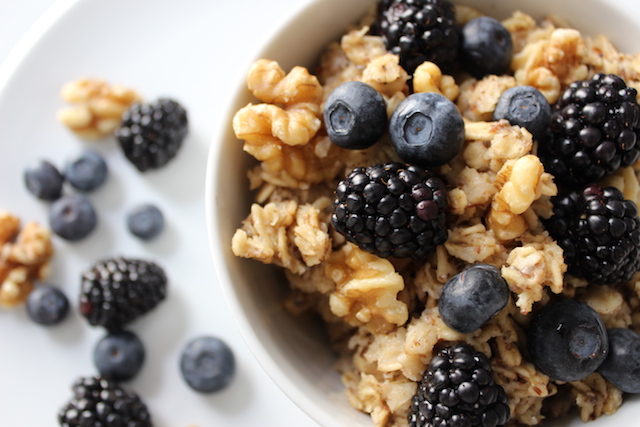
pixel 622 365
pixel 472 297
pixel 87 172
pixel 119 355
pixel 426 129
pixel 486 47
pixel 43 180
pixel 567 340
pixel 355 115
pixel 47 305
pixel 207 364
pixel 145 221
pixel 524 106
pixel 72 217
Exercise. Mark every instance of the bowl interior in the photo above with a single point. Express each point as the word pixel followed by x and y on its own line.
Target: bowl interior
pixel 293 352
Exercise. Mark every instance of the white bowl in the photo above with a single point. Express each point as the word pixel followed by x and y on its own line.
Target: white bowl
pixel 294 354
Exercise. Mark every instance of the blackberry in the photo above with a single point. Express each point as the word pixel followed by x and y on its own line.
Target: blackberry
pixel 599 232
pixel 392 209
pixel 99 402
pixel 418 31
pixel 458 390
pixel 115 291
pixel 593 132
pixel 151 134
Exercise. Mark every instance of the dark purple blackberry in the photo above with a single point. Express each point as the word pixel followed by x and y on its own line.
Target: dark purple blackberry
pixel 593 132
pixel 393 209
pixel 458 390
pixel 98 402
pixel 151 134
pixel 599 232
pixel 418 31
pixel 118 290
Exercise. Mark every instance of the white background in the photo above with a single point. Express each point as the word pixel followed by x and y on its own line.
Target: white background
pixel 37 365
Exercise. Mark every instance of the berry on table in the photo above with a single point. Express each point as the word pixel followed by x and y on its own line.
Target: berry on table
pixel 622 365
pixel 145 221
pixel 472 297
pixel 72 217
pixel 486 47
pixel 426 129
pixel 594 131
pixel 207 364
pixel 418 31
pixel 599 232
pixel 43 180
pixel 152 133
pixel 101 402
pixel 567 340
pixel 458 390
pixel 116 291
pixel 392 209
pixel 47 305
pixel 119 355
pixel 524 106
pixel 87 172
pixel 355 115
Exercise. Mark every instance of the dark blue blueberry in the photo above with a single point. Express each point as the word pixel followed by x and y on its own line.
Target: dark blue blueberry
pixel 426 129
pixel 622 365
pixel 486 47
pixel 47 305
pixel 470 298
pixel 524 106
pixel 43 180
pixel 119 355
pixel 87 172
pixel 145 221
pixel 355 115
pixel 207 364
pixel 567 340
pixel 72 217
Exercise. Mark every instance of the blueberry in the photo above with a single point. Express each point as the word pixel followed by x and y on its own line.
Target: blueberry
pixel 119 355
pixel 567 340
pixel 486 47
pixel 47 305
pixel 355 115
pixel 622 365
pixel 87 172
pixel 524 106
pixel 43 180
pixel 470 298
pixel 426 129
pixel 145 221
pixel 72 217
pixel 207 364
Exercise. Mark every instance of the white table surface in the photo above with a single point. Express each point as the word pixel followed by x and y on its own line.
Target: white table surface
pixel 253 392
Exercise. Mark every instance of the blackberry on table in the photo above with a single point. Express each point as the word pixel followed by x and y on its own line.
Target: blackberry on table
pixel 593 132
pixel 599 232
pixel 152 133
pixel 458 390
pixel 99 402
pixel 418 31
pixel 116 291
pixel 392 209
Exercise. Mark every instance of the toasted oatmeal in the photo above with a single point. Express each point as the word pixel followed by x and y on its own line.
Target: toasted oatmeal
pixel 382 314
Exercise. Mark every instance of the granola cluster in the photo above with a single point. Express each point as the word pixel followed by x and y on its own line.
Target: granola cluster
pixel 24 258
pixel 382 314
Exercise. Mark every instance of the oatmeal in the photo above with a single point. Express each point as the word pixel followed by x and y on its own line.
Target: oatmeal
pixel 500 197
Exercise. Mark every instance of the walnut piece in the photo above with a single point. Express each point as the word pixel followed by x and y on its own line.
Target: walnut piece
pixel 24 258
pixel 98 107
